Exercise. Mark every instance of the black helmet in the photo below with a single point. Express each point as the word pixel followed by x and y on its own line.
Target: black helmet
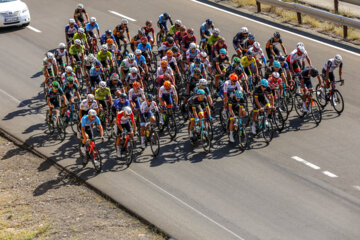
pixel 170 39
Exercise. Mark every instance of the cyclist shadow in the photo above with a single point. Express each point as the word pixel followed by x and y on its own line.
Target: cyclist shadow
pixel 329 114
pixel 295 123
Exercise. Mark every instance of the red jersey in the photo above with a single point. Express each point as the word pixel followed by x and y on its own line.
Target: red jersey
pixel 122 118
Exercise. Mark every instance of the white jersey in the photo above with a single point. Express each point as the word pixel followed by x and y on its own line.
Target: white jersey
pixel 144 108
pixel 294 57
pixel 59 54
pixel 229 88
pixel 49 64
pixel 133 94
pixel 171 60
pixel 331 65
pixel 206 63
pixel 84 105
pixel 164 91
pixel 161 72
pixel 255 53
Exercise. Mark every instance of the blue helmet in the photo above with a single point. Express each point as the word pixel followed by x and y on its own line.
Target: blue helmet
pixel 200 92
pixel 251 36
pixel 108 32
pixel 208 21
pixel 149 97
pixel 166 15
pixel 264 83
pixel 97 63
pixel 223 51
pixel 281 58
pixel 276 64
pixel 238 94
pixel 197 60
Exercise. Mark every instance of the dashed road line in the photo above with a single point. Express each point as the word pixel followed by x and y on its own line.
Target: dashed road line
pixel 356 187
pixel 309 164
pixel 119 14
pixel 10 96
pixel 330 174
pixel 34 29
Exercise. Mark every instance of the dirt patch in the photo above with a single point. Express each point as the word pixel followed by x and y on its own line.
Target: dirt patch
pixel 37 201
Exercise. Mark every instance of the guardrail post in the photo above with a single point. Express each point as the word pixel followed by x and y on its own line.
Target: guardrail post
pixel 336 6
pixel 345 28
pixel 258 4
pixel 299 17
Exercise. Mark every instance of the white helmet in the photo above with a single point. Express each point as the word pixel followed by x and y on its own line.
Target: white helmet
pixel 275 75
pixel 216 31
pixel 104 47
pixel 256 45
pixel 300 44
pixel 192 45
pixel 178 22
pixel 301 49
pixel 131 56
pixel 203 54
pixel 81 30
pixel 133 70
pixel 92 19
pixel 80 6
pixel 138 51
pixel 124 21
pixel 71 21
pixel 90 98
pixel 127 110
pixel 92 112
pixel 244 30
pixel 203 82
pixel 77 42
pixel 102 84
pixel 338 58
pixel 62 45
pixel 68 69
pixel 50 55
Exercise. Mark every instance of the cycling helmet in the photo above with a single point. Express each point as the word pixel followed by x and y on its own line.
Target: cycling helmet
pixel 71 21
pixel 170 40
pixel 190 30
pixel 141 31
pixel 127 110
pixel 109 41
pixel 216 32
pixel 277 34
pixel 97 63
pixel 92 113
pixel 236 60
pixel 276 64
pixel 131 56
pixel 144 40
pixel 77 42
pixel 264 83
pixel 91 58
pixel 203 82
pixel 167 84
pixel 104 48
pixel 169 53
pixel 238 71
pixel 248 53
pixel 68 69
pixel 281 58
pixel 80 6
pixel 50 55
pixel 275 75
pixel 62 45
pixel 223 51
pixel 136 84
pixel 148 23
pixel 102 84
pixel 244 30
pixel 192 45
pixel 208 21
pixel 164 63
pixel 197 60
pixel 114 76
pixel 178 22
pixel 233 77
pixel 166 15
pixel 300 44
pixel 314 72
pixel 55 84
pixel 182 28
pixel 200 92
pixel 81 30
pixel 203 54
pixel 256 45
pixel 133 70
pixel 123 96
pixel 149 97
pixel 301 49
pixel 221 39
pixel 138 52
pixel 124 21
pixel 108 32
pixel 251 36
pixel 174 49
pixel 70 79
pixel 92 19
pixel 167 76
pixel 238 94
pixel 90 98
pixel 338 59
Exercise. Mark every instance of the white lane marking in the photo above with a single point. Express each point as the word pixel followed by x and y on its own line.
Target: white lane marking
pixel 34 29
pixel 116 13
pixel 357 187
pixel 309 164
pixel 326 44
pixel 10 96
pixel 187 205
pixel 329 174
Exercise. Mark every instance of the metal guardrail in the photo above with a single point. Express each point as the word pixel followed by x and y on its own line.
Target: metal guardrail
pixel 355 2
pixel 301 9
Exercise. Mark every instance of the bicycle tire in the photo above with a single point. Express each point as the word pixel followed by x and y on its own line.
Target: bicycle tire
pixel 61 128
pixel 154 143
pixel 315 111
pixel 242 137
pixel 129 152
pixel 321 100
pixel 337 100
pixel 159 39
pixel 278 120
pixel 206 139
pixel 298 105
pixel 171 126
pixel 96 160
pixel 223 121
pixel 289 100
pixel 267 130
pixel 84 158
pixel 283 109
pixel 50 124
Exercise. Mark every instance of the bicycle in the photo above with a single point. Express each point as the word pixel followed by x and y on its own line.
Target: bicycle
pixel 152 137
pixel 127 147
pixel 204 133
pixel 169 121
pixel 313 107
pixel 91 153
pixel 160 37
pixel 264 126
pixel 333 96
pixel 72 117
pixel 79 74
pixel 55 122
pixel 240 133
pixel 277 119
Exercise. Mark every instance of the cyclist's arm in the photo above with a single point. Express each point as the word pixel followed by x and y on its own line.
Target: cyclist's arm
pixel 283 48
pixel 101 130
pixel 65 99
pixel 340 72
pixel 78 95
pixel 319 80
pixel 308 60
pixel 231 110
pixel 48 102
pixel 257 102
pixel 195 112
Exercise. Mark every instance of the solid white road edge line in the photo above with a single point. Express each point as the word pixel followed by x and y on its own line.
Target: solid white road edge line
pixel 309 164
pixel 357 187
pixel 116 13
pixel 34 29
pixel 329 174
pixel 187 205
pixel 326 44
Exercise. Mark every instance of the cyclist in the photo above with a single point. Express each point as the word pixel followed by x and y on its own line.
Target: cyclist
pixel 229 88
pixel 162 22
pixel 179 36
pixel 285 67
pixel 77 53
pixel 70 89
pixel 188 39
pixel 159 81
pixel 70 30
pixel 248 43
pixel 239 40
pixel 87 104
pixel 145 48
pixel 215 36
pixel 67 74
pixel 137 39
pixel 294 58
pixel 119 33
pixel 217 46
pixel 192 83
pixel 87 122
pixel 271 50
pixel 306 84
pixel 231 68
pixel 126 64
pixel 248 62
pixel 135 94
pixel 197 65
pixel 175 28
pixel 115 84
pixel 166 45
pixel 203 85
pixel 166 93
pixel 89 62
pixel 123 120
pixel 164 68
pixel 50 68
pixel 120 103
pixel 105 57
pixel 275 82
pixel 107 35
pixel 101 94
pixel 205 31
pixel 262 95
pixel 328 70
pixel 149 32
pixel 82 37
pixel 95 75
pixel 276 67
pixel 171 61
pixel 61 52
pixel 89 28
pixel 256 50
pixel 141 61
pixel 146 110
pixel 112 47
pixel 205 61
pixel 236 107
pixel 80 15
pixel 192 53
pixel 218 65
pixel 133 76
pixel 52 98
pixel 196 104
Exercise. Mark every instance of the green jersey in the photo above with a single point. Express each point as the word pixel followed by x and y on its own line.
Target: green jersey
pixel 102 56
pixel 212 40
pixel 173 30
pixel 81 37
pixel 75 51
pixel 101 95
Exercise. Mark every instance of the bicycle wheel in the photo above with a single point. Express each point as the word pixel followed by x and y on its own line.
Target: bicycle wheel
pixel 158 39
pixel 172 128
pixel 278 120
pixel 223 119
pixel 154 143
pixel 50 123
pixel 96 160
pixel 283 109
pixel 337 101
pixel 321 99
pixel 298 105
pixel 61 128
pixel 129 152
pixel 267 130
pixel 83 157
pixel 206 139
pixel 242 137
pixel 74 122
pixel 315 110
pixel 292 87
pixel 289 100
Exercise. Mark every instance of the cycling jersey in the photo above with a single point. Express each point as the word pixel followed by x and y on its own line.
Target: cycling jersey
pixel 54 95
pixel 207 91
pixel 186 40
pixel 85 121
pixel 247 45
pixel 191 55
pixel 257 52
pixel 70 90
pixel 143 48
pixel 294 57
pixel 79 14
pixel 212 40
pixel 101 56
pixel 118 105
pixel 239 38
pixel 230 88
pixel 205 29
pixel 113 49
pixel 114 86
pixel 258 93
pixel 134 95
pixel 245 62
pixel 76 50
pixel 104 38
pixel 173 29
pixel 163 91
pixel 170 60
pixel 163 20
pixel 71 30
pixel 274 83
pixel 95 73
pixel 148 30
pixel 84 105
pixel 285 66
pixel 195 103
pixel 160 71
pixel 90 28
pixel 102 94
pixel 220 61
pixel 179 36
pixel 48 64
pixel 131 78
pixel 126 65
pixel 119 30
pixel 144 108
pixel 122 118
pixel 59 54
pixel 141 60
pixel 217 47
pixel 81 37
pixel 166 46
pixel 331 65
pixel 272 43
pixel 65 76
pixel 193 67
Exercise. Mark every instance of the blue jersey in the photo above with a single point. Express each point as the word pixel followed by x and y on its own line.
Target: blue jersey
pixel 193 67
pixel 94 72
pixel 90 28
pixel 205 29
pixel 73 30
pixel 140 61
pixel 118 105
pixel 144 48
pixel 104 38
pixel 162 19
pixel 285 66
pixel 85 122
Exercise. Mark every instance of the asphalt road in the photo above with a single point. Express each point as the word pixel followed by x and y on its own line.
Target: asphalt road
pixel 262 193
